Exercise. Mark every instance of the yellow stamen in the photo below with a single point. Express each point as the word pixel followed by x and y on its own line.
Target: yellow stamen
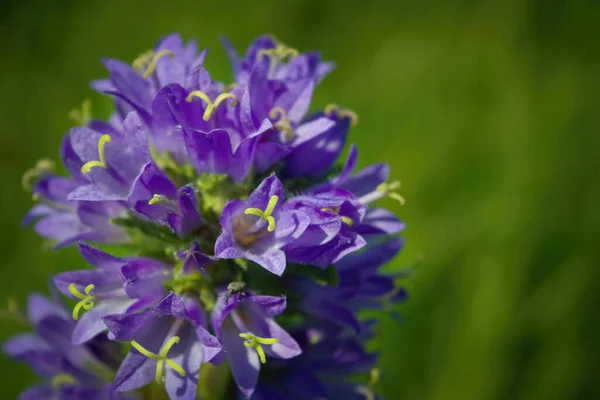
pixel 374 376
pixel 283 122
pixel 336 210
pixel 87 299
pixel 341 113
pixel 365 391
pixel 330 109
pixel 82 115
pixel 158 199
pixel 161 358
pixel 388 188
pixel 12 306
pixel 142 61
pixel 281 52
pixel 154 60
pixel 42 168
pixel 266 215
pixel 347 220
pixel 62 379
pixel 277 55
pixel 87 167
pixel 253 341
pixel 210 106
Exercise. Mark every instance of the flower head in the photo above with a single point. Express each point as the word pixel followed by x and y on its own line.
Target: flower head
pixel 237 237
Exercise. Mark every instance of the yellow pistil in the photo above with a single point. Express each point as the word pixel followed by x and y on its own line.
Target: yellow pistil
pixel 330 109
pixel 82 115
pixel 151 59
pixel 87 299
pixel 158 199
pixel 161 358
pixel 42 168
pixel 87 167
pixel 279 53
pixel 283 122
pixel 253 341
pixel 387 189
pixel 62 379
pixel 210 105
pixel 266 215
pixel 374 376
pixel 347 220
pixel 142 61
pixel 336 210
pixel 365 391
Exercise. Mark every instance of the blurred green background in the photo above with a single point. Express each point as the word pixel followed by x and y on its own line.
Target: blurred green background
pixel 488 113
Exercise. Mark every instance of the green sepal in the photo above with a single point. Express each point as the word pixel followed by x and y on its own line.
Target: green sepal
pixel 179 174
pixel 324 277
pixel 216 190
pixel 135 225
pixel 181 283
pixel 214 382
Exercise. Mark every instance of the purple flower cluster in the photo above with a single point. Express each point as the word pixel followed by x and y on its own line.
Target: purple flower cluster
pixel 250 255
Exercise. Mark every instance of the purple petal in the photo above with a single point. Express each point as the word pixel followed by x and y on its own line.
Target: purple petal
pixel 226 247
pixel 300 106
pixel 290 225
pixel 270 186
pixel 190 219
pixel 335 312
pixel 55 188
pixel 273 260
pixel 127 82
pixel 149 182
pixel 211 347
pixel 172 305
pixel 99 258
pixel 85 144
pixel 317 146
pixel 222 308
pixel 187 354
pixel 91 324
pixel 38 392
pixel 373 256
pixel 379 220
pixel 145 278
pixel 103 279
pixel 60 226
pixel 270 306
pixel 367 179
pixel 243 362
pixel 232 53
pixel 269 153
pixel 21 345
pixel 311 130
pixel 94 193
pixel 168 110
pixel 126 327
pixel 213 152
pixel 39 308
pixel 194 259
pixel 70 159
pixel 286 347
pixel 38 211
pixel 135 371
pixel 195 310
